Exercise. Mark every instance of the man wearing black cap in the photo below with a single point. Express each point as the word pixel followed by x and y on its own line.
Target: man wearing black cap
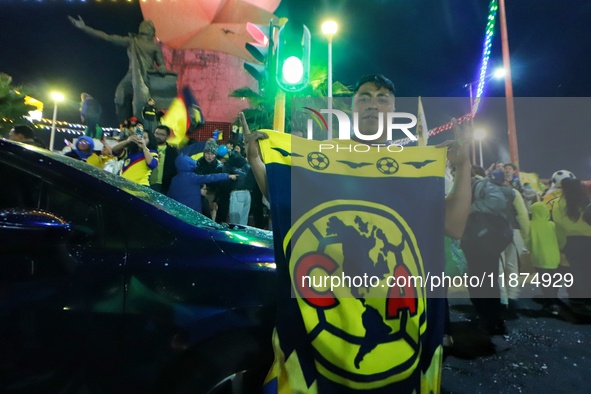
pixel 217 195
pixel 320 357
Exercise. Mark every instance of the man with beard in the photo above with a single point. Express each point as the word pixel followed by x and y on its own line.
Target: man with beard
pixel 162 175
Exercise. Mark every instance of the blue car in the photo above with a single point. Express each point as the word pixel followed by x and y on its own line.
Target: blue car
pixel 107 286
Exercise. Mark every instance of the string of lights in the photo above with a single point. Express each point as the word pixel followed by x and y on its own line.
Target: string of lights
pixel 489 32
pixel 436 130
pixel 66 127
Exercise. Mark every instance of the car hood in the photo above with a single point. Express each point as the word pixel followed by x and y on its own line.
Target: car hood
pixel 246 244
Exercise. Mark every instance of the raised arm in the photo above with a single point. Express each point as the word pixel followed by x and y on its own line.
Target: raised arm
pixel 112 38
pixel 253 155
pixel 457 204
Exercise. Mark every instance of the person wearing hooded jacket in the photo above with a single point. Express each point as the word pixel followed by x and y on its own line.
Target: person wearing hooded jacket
pixel 185 186
pixel 84 150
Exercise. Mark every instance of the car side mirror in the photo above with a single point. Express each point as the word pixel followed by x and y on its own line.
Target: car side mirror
pixel 32 244
pixel 29 227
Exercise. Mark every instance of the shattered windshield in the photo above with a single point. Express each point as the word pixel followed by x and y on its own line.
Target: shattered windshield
pixel 144 193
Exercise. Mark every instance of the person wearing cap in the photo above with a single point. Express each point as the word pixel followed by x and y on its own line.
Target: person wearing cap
pixel 299 364
pixel 217 195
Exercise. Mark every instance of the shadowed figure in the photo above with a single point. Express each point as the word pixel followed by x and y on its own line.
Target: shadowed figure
pixel 132 93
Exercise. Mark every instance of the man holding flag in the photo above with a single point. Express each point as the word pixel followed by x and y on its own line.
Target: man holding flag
pixel 349 215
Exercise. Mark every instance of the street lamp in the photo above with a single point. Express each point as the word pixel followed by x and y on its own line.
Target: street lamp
pixel 479 135
pixel 329 29
pixel 498 73
pixel 56 97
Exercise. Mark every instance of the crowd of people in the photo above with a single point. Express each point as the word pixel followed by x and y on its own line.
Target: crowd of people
pixel 491 222
pixel 220 175
pixel 511 223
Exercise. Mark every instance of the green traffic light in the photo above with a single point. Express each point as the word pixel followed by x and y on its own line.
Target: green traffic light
pixel 293 70
pixel 293 57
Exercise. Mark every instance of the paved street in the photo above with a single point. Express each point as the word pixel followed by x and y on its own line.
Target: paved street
pixel 541 353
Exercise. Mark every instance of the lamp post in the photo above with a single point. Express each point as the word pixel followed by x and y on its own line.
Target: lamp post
pixel 329 29
pixel 498 73
pixel 512 129
pixel 479 135
pixel 56 97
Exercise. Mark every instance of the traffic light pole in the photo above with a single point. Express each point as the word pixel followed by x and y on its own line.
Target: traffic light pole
pixel 279 112
pixel 329 137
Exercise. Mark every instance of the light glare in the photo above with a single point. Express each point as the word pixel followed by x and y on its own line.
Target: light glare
pixel 479 134
pixel 293 70
pixel 56 96
pixel 499 73
pixel 329 28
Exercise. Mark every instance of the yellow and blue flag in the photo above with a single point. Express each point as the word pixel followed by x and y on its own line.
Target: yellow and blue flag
pixel 183 115
pixel 371 214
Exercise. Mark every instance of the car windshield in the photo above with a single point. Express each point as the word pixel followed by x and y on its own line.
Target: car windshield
pixel 146 194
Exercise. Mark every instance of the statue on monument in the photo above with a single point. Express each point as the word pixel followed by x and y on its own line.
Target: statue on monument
pixel 133 91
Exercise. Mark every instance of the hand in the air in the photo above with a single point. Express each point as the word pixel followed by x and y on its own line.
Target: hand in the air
pixel 79 23
pixel 458 150
pixel 251 139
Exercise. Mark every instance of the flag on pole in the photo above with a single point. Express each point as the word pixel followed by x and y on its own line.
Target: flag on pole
pixel 422 129
pixel 183 115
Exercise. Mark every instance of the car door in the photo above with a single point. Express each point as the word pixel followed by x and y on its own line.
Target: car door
pixel 61 306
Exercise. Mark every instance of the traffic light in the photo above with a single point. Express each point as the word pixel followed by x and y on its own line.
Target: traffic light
pixel 293 57
pixel 262 51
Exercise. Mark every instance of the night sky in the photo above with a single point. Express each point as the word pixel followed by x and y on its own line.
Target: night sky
pixel 430 48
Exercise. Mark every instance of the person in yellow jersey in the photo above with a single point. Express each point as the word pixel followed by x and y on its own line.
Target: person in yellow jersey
pixel 140 156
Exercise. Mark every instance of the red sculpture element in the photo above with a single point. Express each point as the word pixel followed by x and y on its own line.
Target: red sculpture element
pixel 217 25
